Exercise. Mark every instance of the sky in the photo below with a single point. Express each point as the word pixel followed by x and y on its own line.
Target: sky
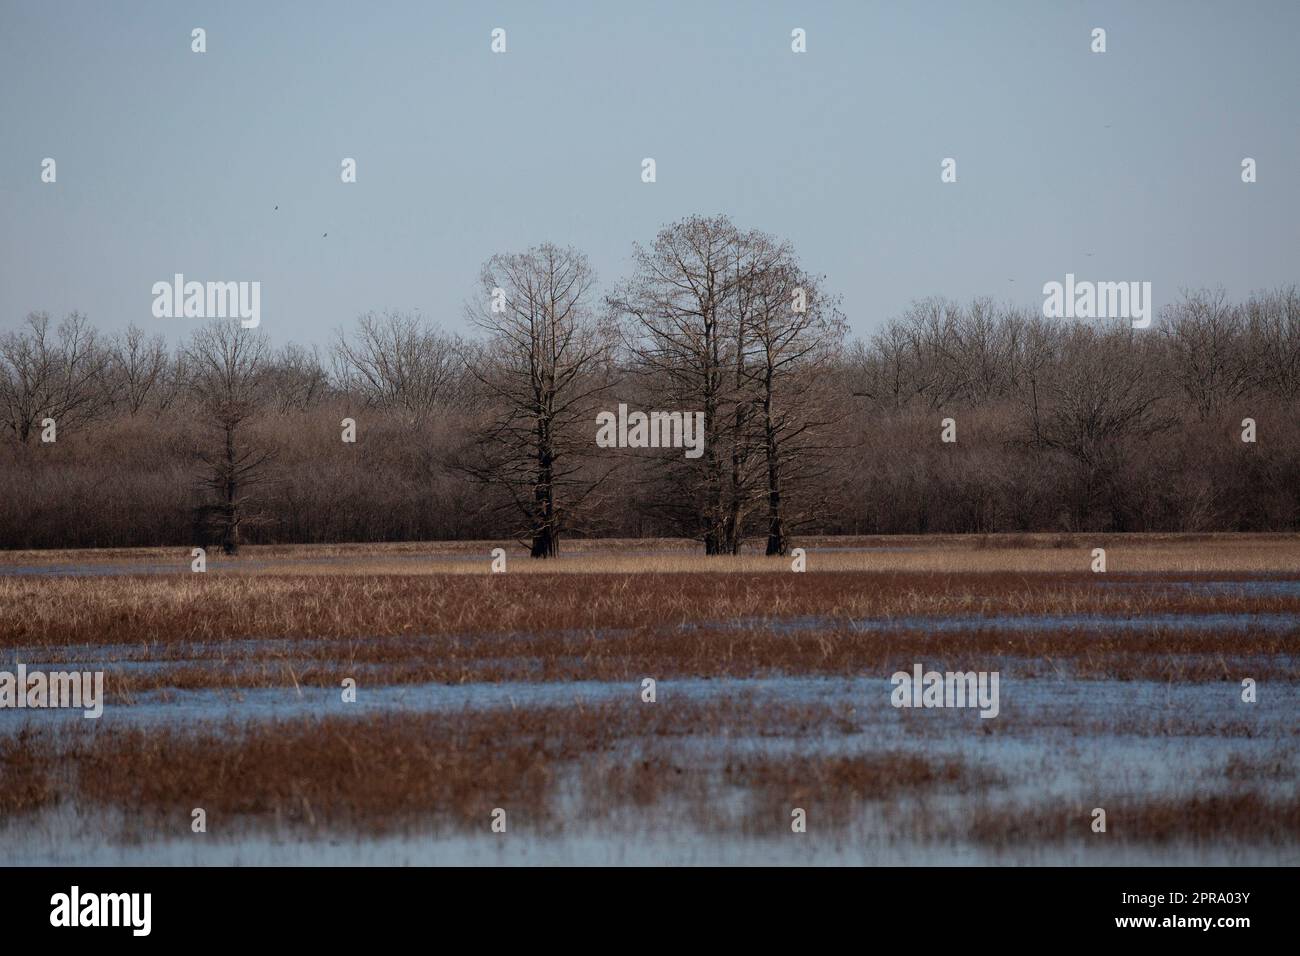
pixel 1123 165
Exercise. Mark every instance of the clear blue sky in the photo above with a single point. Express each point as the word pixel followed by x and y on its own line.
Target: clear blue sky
pixel 170 161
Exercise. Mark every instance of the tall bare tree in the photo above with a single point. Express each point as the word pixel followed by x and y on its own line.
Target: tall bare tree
pixel 798 333
pixel 227 365
pixel 541 370
pixel 689 310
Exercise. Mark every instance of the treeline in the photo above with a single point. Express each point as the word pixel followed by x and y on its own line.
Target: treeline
pixel 1058 425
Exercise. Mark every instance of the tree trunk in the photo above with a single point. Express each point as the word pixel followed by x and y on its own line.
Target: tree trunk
pixel 546 536
pixel 776 543
pixel 230 513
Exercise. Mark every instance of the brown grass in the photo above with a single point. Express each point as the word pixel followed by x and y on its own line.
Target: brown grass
pixel 286 617
pixel 572 767
pixel 1160 655
pixel 141 609
pixel 1021 553
pixel 1245 816
pixel 27 782
pixel 457 628
pixel 384 772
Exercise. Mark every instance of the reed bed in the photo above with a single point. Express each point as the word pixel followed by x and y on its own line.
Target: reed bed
pixel 1159 655
pixel 373 772
pixel 308 617
pixel 569 768
pixel 197 608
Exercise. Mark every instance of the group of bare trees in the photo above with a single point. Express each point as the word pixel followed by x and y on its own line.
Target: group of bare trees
pixel 55 373
pixel 1058 424
pixel 221 379
pixel 728 323
pixel 400 362
pixel 1097 416
pixel 713 320
pixel 1206 352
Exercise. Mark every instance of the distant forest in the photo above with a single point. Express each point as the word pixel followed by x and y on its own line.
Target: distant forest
pixel 1059 425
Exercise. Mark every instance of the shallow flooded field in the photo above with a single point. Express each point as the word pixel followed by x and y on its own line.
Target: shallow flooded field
pixel 693 716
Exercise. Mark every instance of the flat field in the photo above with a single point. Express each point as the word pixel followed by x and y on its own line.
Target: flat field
pixel 772 735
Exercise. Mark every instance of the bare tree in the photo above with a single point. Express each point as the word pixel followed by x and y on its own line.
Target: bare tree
pixel 1100 388
pixel 397 360
pixel 798 333
pixel 173 385
pixel 137 368
pixel 690 336
pixel 296 378
pixel 1273 326
pixel 1205 335
pixel 541 371
pixel 227 365
pixel 889 368
pixel 986 340
pixel 44 375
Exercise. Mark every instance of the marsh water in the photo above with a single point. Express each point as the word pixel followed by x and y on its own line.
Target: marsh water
pixel 1079 742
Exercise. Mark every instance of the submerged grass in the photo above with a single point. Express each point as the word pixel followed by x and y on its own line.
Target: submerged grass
pixel 558 769
pixel 1246 816
pixel 378 773
pixel 309 617
pixel 1158 655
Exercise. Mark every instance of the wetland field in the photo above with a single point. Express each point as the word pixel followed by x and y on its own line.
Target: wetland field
pixel 636 702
